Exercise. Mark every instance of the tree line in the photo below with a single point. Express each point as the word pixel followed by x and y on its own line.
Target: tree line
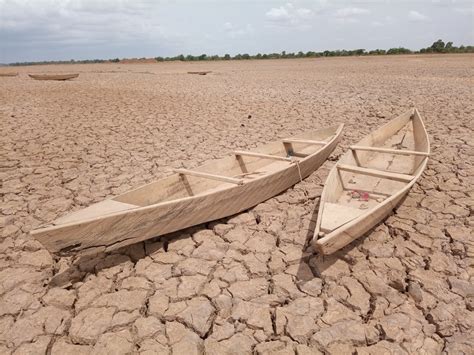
pixel 437 47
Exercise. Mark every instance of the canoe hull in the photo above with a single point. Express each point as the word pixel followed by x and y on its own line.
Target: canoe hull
pixel 60 77
pixel 354 230
pixel 350 231
pixel 111 232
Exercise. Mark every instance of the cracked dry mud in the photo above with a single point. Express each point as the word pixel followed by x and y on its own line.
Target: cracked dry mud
pixel 248 283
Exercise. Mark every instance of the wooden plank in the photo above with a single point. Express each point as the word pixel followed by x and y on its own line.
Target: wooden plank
pixel 303 141
pixel 374 172
pixel 335 215
pixel 388 151
pixel 96 210
pixel 264 156
pixel 209 176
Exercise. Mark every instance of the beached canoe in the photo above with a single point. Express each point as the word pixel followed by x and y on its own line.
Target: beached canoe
pixel 370 180
pixel 53 76
pixel 8 74
pixel 200 72
pixel 189 197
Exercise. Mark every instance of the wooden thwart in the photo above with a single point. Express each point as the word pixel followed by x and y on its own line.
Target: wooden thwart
pixel 389 151
pixel 260 155
pixel 303 141
pixel 374 172
pixel 209 176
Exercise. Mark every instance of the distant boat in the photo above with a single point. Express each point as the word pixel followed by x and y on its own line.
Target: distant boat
pixel 215 190
pixel 8 74
pixel 370 180
pixel 199 72
pixel 53 76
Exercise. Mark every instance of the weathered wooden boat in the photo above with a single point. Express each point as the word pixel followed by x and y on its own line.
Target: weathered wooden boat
pixel 200 72
pixel 9 74
pixel 370 180
pixel 215 190
pixel 60 77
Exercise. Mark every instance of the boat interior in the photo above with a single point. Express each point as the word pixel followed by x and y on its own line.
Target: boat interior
pixel 378 167
pixel 236 169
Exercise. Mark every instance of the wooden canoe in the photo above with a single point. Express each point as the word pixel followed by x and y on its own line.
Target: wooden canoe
pixel 370 180
pixel 200 72
pixel 60 77
pixel 189 197
pixel 9 74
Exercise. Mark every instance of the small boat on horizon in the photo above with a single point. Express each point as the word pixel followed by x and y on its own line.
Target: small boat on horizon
pixel 200 72
pixel 59 77
pixel 370 180
pixel 218 189
pixel 9 74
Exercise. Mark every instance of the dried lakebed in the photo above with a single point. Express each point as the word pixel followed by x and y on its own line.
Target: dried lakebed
pixel 248 283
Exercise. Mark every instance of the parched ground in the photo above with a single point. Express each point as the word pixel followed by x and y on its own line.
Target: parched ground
pixel 248 283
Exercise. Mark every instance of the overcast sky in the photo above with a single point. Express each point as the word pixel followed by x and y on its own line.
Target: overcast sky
pixel 33 30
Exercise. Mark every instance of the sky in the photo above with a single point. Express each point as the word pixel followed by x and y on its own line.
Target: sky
pixel 36 30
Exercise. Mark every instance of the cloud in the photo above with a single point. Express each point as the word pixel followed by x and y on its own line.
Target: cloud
pixel 464 10
pixel 60 26
pixel 349 15
pixel 290 16
pixel 417 16
pixel 386 21
pixel 350 12
pixel 236 32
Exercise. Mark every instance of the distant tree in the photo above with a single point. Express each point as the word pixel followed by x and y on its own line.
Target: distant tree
pixel 399 50
pixel 438 46
pixel 378 52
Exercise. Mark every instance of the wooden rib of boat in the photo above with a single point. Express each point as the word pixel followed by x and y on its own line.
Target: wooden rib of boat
pixel 60 77
pixel 215 190
pixel 9 74
pixel 370 180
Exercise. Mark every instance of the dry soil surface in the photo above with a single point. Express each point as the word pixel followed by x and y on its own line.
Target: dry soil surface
pixel 248 283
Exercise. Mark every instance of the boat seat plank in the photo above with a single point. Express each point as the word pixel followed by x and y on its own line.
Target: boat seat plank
pixel 260 155
pixel 303 141
pixel 96 210
pixel 335 215
pixel 389 151
pixel 375 172
pixel 209 176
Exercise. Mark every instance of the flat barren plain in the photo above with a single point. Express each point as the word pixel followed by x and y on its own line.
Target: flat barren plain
pixel 249 283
